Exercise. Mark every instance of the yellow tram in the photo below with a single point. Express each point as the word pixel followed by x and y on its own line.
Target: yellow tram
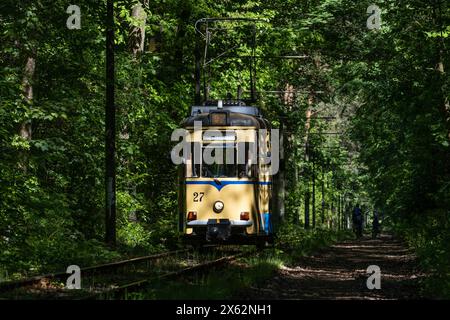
pixel 225 186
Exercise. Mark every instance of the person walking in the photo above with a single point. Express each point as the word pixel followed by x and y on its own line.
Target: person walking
pixel 375 224
pixel 357 219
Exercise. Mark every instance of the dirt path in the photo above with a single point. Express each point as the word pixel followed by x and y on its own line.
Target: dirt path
pixel 339 272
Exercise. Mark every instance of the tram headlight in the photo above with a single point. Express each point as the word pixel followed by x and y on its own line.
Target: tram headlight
pixel 245 216
pixel 192 215
pixel 218 206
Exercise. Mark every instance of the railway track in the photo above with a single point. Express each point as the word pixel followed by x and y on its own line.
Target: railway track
pixel 117 279
pixel 123 290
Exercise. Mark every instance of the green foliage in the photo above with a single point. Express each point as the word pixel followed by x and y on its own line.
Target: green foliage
pixel 429 236
pixel 294 241
pixel 387 89
pixel 403 128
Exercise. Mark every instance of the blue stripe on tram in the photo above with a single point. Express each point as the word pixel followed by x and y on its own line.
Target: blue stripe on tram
pixel 222 184
pixel 268 223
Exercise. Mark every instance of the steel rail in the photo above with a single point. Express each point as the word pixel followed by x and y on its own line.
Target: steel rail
pixel 136 284
pixel 9 285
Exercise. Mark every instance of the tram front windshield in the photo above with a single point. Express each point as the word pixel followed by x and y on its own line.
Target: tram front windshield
pixel 223 161
pixel 223 158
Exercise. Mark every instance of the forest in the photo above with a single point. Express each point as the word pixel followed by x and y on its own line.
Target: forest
pixel 364 112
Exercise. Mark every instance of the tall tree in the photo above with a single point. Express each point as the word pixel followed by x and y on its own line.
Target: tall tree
pixel 110 131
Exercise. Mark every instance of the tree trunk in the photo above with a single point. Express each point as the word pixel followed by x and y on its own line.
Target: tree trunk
pixel 323 199
pixel 279 187
pixel 197 74
pixel 444 105
pixel 25 129
pixel 137 35
pixel 307 195
pixel 110 133
pixel 307 155
pixel 313 195
pixel 339 212
pixel 183 22
pixel 27 84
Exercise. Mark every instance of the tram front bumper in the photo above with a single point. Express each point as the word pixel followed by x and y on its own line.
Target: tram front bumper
pixel 219 229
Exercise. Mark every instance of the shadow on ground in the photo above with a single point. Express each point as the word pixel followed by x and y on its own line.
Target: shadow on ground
pixel 339 272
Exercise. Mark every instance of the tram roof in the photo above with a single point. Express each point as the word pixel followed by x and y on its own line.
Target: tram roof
pixel 248 110
pixel 237 116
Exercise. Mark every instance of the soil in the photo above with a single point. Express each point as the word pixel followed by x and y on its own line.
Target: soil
pixel 340 272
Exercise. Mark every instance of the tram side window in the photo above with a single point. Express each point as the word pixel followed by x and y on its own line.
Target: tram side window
pixel 193 169
pixel 246 159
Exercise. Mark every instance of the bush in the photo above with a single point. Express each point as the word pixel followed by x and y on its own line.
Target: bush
pixel 296 241
pixel 429 236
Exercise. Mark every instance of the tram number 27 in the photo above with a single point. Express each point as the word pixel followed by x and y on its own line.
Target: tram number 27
pixel 198 196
